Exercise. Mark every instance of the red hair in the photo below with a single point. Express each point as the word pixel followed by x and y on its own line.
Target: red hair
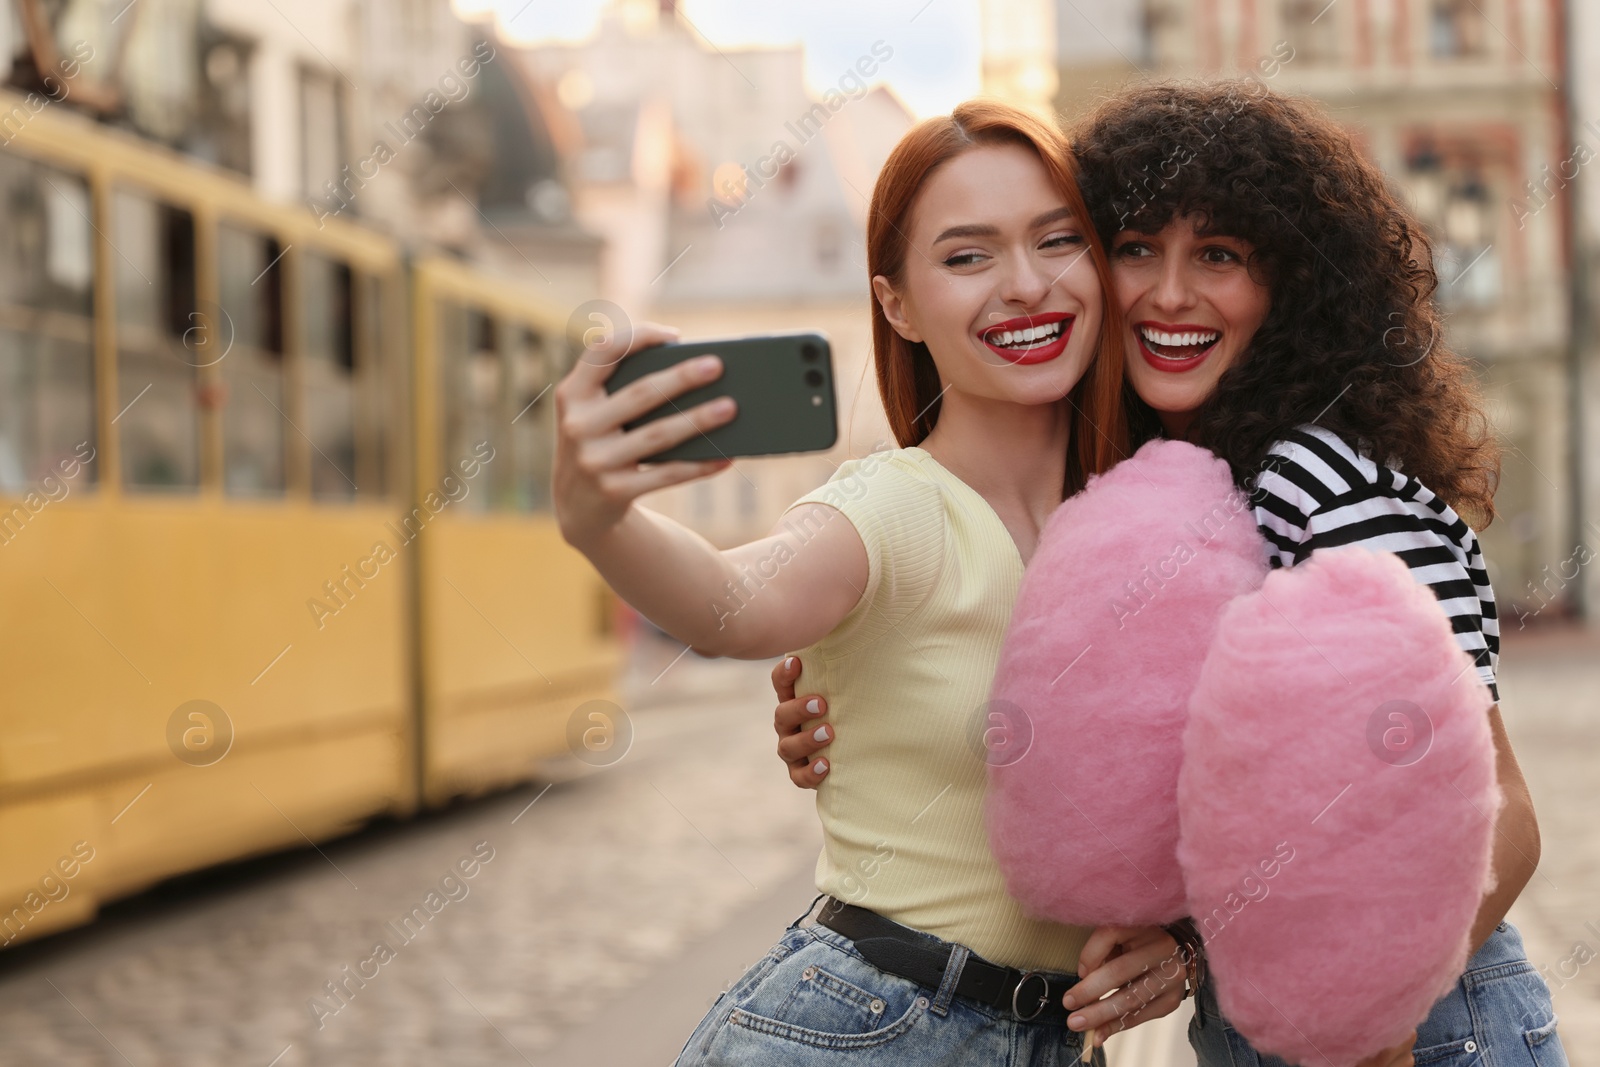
pixel 908 383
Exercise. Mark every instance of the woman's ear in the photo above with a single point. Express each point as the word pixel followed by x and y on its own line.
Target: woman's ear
pixel 894 308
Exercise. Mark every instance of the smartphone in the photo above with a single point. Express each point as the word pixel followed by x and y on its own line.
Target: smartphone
pixel 783 384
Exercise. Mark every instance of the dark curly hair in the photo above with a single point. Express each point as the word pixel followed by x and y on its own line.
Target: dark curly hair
pixel 1353 337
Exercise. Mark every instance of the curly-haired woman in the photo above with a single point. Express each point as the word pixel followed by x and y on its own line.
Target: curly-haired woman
pixel 1278 300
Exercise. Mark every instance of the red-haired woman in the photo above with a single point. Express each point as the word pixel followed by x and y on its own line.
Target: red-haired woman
pixel 1278 307
pixel 991 331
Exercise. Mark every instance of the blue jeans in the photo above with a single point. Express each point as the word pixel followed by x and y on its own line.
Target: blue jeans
pixel 1497 1015
pixel 815 1001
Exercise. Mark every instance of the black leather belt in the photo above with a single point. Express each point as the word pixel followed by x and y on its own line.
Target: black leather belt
pixel 906 953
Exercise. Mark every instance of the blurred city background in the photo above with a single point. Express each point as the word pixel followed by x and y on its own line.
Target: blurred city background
pixel 290 644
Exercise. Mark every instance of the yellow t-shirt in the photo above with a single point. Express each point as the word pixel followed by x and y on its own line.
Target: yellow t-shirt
pixel 907 675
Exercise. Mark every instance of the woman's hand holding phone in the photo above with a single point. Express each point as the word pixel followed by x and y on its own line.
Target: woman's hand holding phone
pixel 670 574
pixel 597 473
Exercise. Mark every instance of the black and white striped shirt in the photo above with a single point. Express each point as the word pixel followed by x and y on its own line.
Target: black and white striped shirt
pixel 1315 491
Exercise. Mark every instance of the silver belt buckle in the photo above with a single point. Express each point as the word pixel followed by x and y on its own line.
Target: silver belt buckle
pixel 1018 992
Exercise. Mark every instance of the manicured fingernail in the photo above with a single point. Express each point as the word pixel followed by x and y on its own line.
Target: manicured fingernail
pixel 1075 1022
pixel 706 366
pixel 812 707
pixel 820 767
pixel 788 663
pixel 722 405
pixel 821 734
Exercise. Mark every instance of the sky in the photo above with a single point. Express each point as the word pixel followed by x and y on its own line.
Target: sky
pixel 936 49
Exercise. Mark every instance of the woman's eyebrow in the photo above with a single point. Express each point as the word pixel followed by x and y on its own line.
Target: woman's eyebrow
pixel 985 230
pixel 1048 217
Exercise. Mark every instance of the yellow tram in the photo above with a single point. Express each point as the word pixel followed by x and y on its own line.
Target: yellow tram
pixel 276 554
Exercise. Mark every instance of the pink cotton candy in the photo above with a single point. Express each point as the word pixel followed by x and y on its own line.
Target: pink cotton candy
pixel 1337 797
pixel 1111 625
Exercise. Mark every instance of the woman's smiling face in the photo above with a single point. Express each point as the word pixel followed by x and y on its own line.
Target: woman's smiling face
pixel 1192 308
pixel 998 285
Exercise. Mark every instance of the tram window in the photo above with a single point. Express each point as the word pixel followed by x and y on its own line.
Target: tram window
pixel 330 376
pixel 46 309
pixel 372 376
pixel 533 424
pixel 472 373
pixel 250 279
pixel 161 340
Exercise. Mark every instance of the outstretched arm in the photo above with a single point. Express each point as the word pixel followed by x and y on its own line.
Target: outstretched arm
pixel 753 601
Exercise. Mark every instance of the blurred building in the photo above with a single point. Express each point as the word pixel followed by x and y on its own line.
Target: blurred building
pixel 1020 52
pixel 1575 176
pixel 733 201
pixel 1463 104
pixel 680 182
pixel 394 112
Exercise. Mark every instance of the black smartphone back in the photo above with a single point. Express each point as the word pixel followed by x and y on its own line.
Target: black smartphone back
pixel 783 384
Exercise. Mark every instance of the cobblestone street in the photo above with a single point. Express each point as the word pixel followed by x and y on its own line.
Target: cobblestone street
pixel 587 891
pixel 602 919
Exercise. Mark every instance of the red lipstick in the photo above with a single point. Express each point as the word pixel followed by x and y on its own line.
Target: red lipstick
pixel 1175 358
pixel 1041 349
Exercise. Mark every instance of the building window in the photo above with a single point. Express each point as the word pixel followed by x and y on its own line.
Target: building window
pixel 1453 201
pixel 322 153
pixel 1312 30
pixel 222 134
pixel 1468 263
pixel 1456 30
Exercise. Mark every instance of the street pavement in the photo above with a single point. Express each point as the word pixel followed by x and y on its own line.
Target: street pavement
pixel 595 888
pixel 609 905
pixel 1550 700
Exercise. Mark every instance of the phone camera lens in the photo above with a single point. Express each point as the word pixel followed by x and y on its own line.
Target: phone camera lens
pixel 810 353
pixel 813 378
